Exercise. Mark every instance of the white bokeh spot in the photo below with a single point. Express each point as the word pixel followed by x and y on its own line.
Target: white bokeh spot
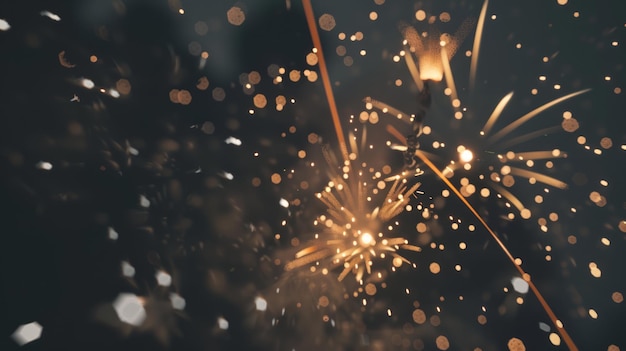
pixel 520 285
pixel 26 333
pixel 261 304
pixel 178 302
pixel 113 234
pixel 4 25
pixel 222 323
pixel 129 309
pixel 163 278
pixel 127 269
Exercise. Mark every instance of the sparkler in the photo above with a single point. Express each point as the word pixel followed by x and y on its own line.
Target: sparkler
pixel 352 236
pixel 431 68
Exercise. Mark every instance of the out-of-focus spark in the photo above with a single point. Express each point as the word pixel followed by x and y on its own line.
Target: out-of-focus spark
pixel 113 235
pixel 496 113
pixel 519 285
pixel 87 83
pixel 233 141
pixel 127 269
pixel 222 323
pixel 454 97
pixel 260 303
pixel 476 47
pixel 143 201
pixel 43 165
pixel 163 278
pixel 410 63
pixel 539 177
pixel 27 333
pixel 4 25
pixel 178 302
pixel 466 156
pixel 113 93
pixel 227 175
pixel 525 118
pixel 129 309
pixel 50 15
pixel 387 108
pixel 284 203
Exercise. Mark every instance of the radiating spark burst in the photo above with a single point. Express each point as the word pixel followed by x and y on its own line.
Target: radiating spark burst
pixel 352 231
pixel 493 158
pixel 493 162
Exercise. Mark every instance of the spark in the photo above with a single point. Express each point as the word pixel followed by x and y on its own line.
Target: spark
pixel 466 155
pixel 87 83
pixel 227 175
pixel 260 303
pixel 113 235
pixel 352 234
pixel 284 203
pixel 127 269
pixel 233 141
pixel 114 93
pixel 163 278
pixel 177 301
pixel 130 309
pixel 27 333
pixel 525 118
pixel 51 15
pixel 43 165
pixel 477 40
pixel 4 25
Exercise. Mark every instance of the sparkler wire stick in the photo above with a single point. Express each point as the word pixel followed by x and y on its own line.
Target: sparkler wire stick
pixel 310 20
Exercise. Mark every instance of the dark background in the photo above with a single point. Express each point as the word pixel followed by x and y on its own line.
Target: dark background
pixel 216 236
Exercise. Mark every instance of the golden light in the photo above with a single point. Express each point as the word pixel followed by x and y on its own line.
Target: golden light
pixel 430 72
pixel 340 244
pixel 366 239
pixel 466 156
